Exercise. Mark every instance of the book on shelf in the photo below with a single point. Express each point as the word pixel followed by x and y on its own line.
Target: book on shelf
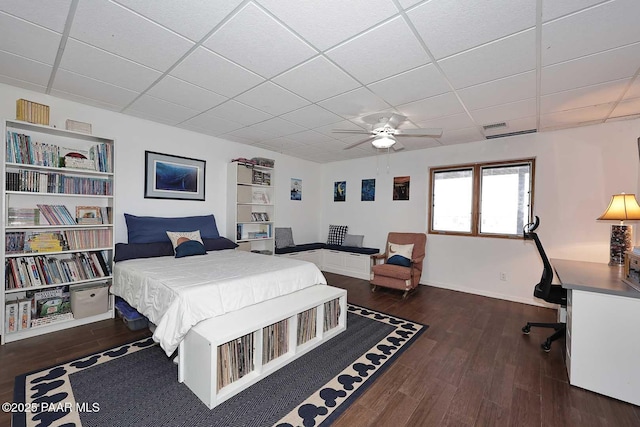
pixel 57 214
pixel 22 149
pixel 32 112
pixel 42 270
pixel 11 311
pixel 23 216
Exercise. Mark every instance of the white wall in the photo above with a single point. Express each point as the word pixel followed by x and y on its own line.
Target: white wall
pixel 133 136
pixel 577 171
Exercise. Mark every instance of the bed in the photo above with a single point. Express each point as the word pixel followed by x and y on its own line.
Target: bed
pixel 177 293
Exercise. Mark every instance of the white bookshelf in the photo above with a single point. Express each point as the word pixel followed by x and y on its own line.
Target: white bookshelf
pixel 251 207
pixel 199 361
pixel 28 196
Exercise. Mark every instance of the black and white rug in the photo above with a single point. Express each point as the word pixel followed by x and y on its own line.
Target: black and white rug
pixel 136 384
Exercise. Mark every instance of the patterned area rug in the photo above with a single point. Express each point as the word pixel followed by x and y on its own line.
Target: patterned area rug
pixel 135 384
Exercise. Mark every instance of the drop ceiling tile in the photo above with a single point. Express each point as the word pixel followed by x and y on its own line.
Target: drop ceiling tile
pixel 272 99
pixel 28 40
pixel 238 139
pixel 85 87
pixel 634 89
pixel 211 123
pixel 406 4
pixel 98 64
pixel 555 9
pixel 211 71
pixel 506 57
pixel 594 30
pixel 316 80
pixel 277 127
pixel 505 112
pixel 627 107
pixel 312 116
pixel 593 69
pixel 354 103
pixel 418 143
pixel 118 30
pixel 345 124
pixel 182 93
pixel 583 97
pixel 240 113
pixel 51 14
pixel 24 69
pixel 453 122
pixel 311 137
pixel 449 27
pixel 278 144
pixel 85 101
pixel 327 23
pixel 386 50
pixel 421 82
pixel 501 91
pixel 250 134
pixel 167 111
pixel 461 136
pixel 437 106
pixel 22 84
pixel 193 21
pixel 150 117
pixel 576 117
pixel 256 41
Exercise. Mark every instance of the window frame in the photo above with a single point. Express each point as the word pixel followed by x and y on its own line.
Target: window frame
pixel 476 195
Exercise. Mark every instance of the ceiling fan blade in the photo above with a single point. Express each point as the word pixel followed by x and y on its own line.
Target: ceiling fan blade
pixel 397 146
pixel 359 142
pixel 430 132
pixel 395 120
pixel 364 132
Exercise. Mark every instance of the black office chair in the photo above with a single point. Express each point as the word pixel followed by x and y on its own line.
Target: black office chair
pixel 554 294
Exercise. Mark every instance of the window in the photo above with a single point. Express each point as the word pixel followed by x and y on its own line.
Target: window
pixel 485 199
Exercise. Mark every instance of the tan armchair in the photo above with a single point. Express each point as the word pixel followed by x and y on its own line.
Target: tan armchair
pixel 395 276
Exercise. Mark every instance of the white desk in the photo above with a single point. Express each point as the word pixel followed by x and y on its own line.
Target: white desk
pixel 603 340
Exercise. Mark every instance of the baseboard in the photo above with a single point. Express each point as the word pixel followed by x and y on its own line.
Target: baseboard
pixel 489 294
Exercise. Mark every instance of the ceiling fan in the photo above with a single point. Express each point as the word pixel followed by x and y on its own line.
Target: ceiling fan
pixel 384 131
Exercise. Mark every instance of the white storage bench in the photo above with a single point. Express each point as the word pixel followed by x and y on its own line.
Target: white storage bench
pixel 224 355
pixel 345 260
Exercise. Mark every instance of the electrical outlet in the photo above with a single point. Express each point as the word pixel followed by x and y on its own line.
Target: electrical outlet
pixel 503 276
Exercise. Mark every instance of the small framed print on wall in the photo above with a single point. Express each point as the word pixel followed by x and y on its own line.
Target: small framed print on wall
pixel 173 177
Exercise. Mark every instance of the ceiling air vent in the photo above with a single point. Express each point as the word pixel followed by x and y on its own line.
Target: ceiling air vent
pixel 520 132
pixel 493 126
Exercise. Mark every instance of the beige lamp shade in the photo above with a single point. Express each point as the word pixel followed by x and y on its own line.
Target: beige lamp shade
pixel 622 207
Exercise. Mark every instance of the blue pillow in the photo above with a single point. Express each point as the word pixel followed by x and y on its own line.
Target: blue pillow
pixel 189 248
pixel 149 229
pixel 126 251
pixel 399 260
pixel 219 244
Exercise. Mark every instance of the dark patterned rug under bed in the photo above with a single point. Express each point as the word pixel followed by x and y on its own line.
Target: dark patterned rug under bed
pixel 136 384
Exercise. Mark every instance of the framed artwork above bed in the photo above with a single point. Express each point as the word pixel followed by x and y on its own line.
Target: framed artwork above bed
pixel 173 177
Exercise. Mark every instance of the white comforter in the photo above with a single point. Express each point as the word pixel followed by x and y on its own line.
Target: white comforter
pixel 177 293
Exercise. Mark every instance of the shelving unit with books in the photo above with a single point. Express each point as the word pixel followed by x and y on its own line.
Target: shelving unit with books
pixel 57 203
pixel 224 355
pixel 251 207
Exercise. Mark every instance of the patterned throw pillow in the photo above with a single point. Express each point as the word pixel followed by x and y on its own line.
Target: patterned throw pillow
pixel 284 237
pixel 178 237
pixel 400 254
pixel 336 234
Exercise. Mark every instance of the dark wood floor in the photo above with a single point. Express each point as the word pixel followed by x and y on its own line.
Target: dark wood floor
pixel 472 367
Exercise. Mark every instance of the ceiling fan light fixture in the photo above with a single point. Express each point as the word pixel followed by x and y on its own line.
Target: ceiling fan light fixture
pixel 384 141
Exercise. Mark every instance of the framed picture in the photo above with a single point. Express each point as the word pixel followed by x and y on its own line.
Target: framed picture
pixel 88 215
pixel 401 187
pixel 340 191
pixel 368 193
pixel 296 189
pixel 173 177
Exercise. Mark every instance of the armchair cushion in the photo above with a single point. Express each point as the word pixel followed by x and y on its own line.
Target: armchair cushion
pixel 390 270
pixel 400 254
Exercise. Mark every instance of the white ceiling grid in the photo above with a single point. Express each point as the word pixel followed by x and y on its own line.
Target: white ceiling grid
pixel 281 74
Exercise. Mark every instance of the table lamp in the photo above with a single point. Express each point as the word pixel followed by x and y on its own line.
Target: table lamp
pixel 622 207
